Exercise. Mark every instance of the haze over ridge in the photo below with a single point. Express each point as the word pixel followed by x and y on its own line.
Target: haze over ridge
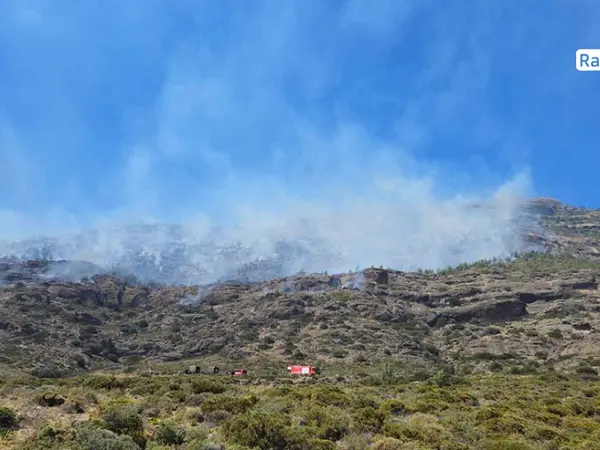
pixel 187 141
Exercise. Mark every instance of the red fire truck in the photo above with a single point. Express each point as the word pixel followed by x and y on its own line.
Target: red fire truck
pixel 302 370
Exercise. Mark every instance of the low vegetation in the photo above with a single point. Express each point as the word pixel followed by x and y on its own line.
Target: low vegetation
pixel 540 411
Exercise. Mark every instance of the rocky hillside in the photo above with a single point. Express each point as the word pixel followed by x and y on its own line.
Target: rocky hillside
pixel 541 308
pixel 564 229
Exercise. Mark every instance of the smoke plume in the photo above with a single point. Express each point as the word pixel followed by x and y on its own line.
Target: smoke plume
pixel 144 139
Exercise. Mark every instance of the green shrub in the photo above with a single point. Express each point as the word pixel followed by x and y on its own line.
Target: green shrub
pixel 108 382
pixel 326 422
pixel 445 377
pixel 355 441
pixel 177 396
pixel 46 438
pixel 486 413
pixel 388 443
pixel 48 432
pixel 195 444
pixel 329 395
pixel 8 419
pixel 148 387
pixel 505 444
pixel 586 372
pixel 204 385
pixel 299 438
pixel 504 425
pixel 257 429
pixel 167 433
pixel 320 444
pixel 124 418
pixel 555 333
pixel 393 407
pixel 368 420
pixel 88 437
pixel 49 399
pixel 339 353
pixel 157 446
pixel 424 428
pixel 233 405
pixel 209 445
pixel 496 366
pixel 217 417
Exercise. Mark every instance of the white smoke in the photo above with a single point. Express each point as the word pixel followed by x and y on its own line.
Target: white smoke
pixel 358 281
pixel 194 300
pixel 431 234
pixel 245 163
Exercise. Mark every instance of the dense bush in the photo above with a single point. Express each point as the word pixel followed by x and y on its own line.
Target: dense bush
pixel 49 399
pixel 396 444
pixel 368 420
pixel 423 428
pixel 205 385
pixel 88 437
pixel 8 419
pixel 124 418
pixel 257 429
pixel 233 405
pixel 329 395
pixel 167 433
pixel 108 382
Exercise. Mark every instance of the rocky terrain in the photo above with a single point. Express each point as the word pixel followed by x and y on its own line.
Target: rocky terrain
pixel 564 229
pixel 541 308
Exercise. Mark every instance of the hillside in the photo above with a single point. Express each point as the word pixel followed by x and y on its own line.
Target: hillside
pixel 516 308
pixel 538 313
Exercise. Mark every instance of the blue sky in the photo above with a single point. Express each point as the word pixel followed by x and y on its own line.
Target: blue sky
pixel 171 110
